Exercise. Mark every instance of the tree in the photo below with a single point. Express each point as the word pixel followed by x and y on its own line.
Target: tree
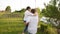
pixel 51 10
pixel 22 10
pixel 8 9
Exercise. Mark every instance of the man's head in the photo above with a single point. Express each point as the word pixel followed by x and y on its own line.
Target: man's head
pixel 33 11
pixel 28 8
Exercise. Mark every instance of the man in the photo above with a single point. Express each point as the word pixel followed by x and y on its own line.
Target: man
pixel 33 22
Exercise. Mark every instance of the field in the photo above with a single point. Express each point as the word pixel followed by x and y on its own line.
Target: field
pixel 13 24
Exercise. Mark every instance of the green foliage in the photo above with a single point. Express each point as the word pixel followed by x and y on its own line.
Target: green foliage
pixel 46 29
pixel 39 12
pixel 22 10
pixel 8 9
pixel 51 10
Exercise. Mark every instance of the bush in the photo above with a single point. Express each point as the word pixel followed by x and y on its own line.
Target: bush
pixel 46 29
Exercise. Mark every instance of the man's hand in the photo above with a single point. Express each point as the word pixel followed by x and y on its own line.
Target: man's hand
pixel 35 14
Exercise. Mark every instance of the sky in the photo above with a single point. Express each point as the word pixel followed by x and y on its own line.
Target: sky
pixel 19 4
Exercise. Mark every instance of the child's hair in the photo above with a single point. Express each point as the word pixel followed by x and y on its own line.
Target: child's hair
pixel 28 8
pixel 33 11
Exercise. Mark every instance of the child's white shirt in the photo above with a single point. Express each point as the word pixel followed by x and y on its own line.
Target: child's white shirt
pixel 26 14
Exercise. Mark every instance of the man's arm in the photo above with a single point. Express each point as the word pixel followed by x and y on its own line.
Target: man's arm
pixel 31 14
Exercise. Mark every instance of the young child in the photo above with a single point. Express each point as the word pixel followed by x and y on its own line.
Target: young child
pixel 26 15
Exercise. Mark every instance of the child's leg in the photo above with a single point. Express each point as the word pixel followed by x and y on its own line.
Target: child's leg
pixel 26 27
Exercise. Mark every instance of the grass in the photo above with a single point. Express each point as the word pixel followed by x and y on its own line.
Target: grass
pixel 16 25
pixel 10 25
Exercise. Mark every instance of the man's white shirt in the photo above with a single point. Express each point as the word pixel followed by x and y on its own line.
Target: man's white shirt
pixel 33 23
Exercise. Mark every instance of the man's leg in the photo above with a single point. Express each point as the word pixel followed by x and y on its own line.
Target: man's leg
pixel 31 33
